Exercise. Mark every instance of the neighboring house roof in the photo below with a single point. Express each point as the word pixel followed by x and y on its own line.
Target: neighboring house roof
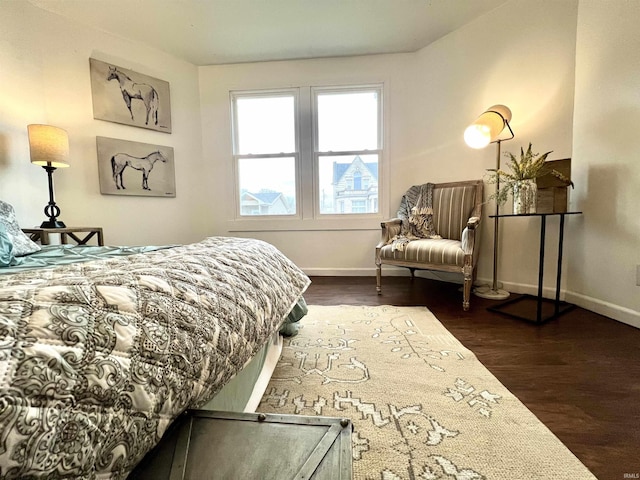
pixel 339 169
pixel 265 197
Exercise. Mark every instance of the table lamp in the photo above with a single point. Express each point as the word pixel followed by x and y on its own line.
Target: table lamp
pixel 49 148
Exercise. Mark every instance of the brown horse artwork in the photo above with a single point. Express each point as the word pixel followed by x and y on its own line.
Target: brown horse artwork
pixel 141 91
pixel 120 161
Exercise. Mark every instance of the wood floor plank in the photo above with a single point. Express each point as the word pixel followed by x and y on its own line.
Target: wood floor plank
pixel 579 374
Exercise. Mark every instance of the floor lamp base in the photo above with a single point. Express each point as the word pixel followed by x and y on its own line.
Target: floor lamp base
pixel 485 291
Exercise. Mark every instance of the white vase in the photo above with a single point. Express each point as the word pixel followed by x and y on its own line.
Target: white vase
pixel 524 196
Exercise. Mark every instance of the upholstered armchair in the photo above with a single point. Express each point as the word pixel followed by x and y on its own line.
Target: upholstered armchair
pixel 457 210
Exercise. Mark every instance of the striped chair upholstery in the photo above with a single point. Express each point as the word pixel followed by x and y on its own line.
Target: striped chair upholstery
pixel 440 252
pixel 456 217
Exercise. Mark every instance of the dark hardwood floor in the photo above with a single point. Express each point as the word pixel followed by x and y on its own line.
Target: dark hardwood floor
pixel 579 374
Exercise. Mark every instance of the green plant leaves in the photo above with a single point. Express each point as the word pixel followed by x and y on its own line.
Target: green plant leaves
pixel 530 166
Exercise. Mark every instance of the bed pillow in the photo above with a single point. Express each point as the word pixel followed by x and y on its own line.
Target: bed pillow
pixel 22 245
pixel 6 247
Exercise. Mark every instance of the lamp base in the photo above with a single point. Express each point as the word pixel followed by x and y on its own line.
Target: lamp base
pixel 52 224
pixel 485 291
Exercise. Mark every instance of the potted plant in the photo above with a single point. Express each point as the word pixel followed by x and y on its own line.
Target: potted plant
pixel 520 181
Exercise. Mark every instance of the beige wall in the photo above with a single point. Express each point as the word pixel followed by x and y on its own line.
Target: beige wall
pixel 605 245
pixel 44 78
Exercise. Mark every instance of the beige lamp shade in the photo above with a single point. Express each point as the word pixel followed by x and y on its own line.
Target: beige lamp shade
pixel 49 146
pixel 487 127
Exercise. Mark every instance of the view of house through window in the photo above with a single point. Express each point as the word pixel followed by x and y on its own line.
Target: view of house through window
pixel 267 186
pixel 348 148
pixel 348 184
pixel 343 142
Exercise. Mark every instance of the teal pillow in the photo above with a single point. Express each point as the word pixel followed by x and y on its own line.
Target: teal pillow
pixel 22 245
pixel 6 247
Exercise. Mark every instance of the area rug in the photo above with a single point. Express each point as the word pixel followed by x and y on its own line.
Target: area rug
pixel 422 405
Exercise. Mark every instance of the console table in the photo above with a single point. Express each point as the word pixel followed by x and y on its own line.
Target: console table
pixel 42 234
pixel 522 306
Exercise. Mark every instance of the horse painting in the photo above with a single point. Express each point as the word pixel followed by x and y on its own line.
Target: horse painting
pixel 120 161
pixel 141 91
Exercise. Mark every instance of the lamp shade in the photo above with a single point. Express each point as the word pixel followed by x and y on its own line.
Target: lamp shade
pixel 487 127
pixel 49 146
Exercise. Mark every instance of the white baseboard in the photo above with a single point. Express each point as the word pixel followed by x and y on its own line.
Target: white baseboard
pixel 621 314
pixel 340 272
pixel 387 271
pixel 610 310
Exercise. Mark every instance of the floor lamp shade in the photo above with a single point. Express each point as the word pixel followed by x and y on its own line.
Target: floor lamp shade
pixel 49 148
pixel 487 126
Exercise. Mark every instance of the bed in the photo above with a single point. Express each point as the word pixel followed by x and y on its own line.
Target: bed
pixel 98 356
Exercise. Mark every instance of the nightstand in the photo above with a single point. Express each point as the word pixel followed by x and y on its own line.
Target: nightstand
pixel 42 234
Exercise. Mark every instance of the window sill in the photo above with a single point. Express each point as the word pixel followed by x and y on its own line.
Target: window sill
pixel 296 225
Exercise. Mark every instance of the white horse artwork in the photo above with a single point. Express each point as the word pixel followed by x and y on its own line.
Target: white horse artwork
pixel 120 161
pixel 141 91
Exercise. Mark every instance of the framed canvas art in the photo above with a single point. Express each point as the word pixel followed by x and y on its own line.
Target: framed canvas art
pixel 135 168
pixel 123 96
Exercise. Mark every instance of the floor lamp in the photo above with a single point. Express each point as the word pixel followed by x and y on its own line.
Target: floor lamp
pixel 49 148
pixel 479 134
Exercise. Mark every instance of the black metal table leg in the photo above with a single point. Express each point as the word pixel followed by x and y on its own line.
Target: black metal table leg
pixel 522 306
pixel 543 231
pixel 559 269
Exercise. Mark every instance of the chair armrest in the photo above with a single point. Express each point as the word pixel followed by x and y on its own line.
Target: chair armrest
pixel 390 228
pixel 473 223
pixel 469 235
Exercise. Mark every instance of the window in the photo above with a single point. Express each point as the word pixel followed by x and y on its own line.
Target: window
pixel 340 131
pixel 357 181
pixel 265 151
pixel 347 149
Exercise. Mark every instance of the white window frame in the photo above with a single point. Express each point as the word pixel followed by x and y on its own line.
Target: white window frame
pixel 295 93
pixel 307 215
pixel 315 92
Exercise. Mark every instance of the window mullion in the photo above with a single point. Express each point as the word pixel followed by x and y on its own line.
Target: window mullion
pixel 307 169
pixel 349 152
pixel 266 155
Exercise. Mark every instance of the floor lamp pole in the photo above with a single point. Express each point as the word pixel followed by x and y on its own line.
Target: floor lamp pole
pixel 496 227
pixel 495 292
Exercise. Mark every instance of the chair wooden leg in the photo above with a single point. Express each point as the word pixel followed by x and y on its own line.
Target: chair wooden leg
pixel 413 273
pixel 379 279
pixel 466 292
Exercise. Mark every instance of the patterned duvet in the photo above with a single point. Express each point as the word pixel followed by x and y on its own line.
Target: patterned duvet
pixel 97 358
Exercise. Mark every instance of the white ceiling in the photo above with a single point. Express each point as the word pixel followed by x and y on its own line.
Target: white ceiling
pixel 208 32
